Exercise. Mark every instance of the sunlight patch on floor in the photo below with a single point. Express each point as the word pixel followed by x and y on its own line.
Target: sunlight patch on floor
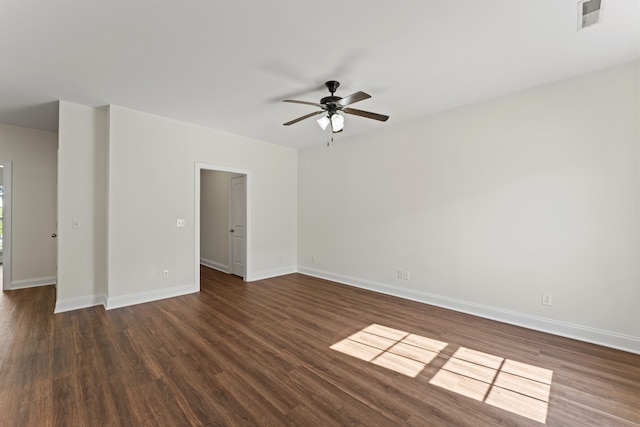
pixel 399 351
pixel 513 386
pixel 506 384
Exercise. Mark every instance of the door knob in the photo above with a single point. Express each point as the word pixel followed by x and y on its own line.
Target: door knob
pixel 231 231
pixel 54 235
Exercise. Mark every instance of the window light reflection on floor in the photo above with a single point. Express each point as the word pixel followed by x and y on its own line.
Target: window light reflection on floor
pixel 509 385
pixel 399 351
pixel 513 386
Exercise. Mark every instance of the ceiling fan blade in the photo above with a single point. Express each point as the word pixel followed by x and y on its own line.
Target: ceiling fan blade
pixel 353 98
pixel 366 114
pixel 298 93
pixel 315 113
pixel 304 102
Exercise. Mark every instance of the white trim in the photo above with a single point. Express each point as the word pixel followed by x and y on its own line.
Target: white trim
pixel 6 225
pixel 79 303
pixel 142 297
pixel 32 283
pixel 199 167
pixel 215 265
pixel 583 333
pixel 267 274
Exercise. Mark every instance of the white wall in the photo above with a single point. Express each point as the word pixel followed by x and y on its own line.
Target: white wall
pixel 151 184
pixel 82 192
pixel 214 218
pixel 33 153
pixel 491 204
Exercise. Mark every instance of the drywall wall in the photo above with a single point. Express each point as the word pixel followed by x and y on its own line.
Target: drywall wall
pixel 82 196
pixel 214 218
pixel 152 164
pixel 33 153
pixel 490 205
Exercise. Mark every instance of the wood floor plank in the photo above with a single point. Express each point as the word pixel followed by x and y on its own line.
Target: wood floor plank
pixel 259 354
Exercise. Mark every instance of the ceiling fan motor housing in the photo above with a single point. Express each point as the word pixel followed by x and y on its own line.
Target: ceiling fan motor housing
pixel 330 100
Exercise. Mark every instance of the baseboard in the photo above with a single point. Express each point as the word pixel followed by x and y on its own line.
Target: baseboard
pixel 215 265
pixel 32 283
pixel 583 333
pixel 142 297
pixel 251 277
pixel 267 274
pixel 79 303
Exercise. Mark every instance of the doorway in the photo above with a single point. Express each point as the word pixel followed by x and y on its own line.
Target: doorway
pixel 225 232
pixel 5 223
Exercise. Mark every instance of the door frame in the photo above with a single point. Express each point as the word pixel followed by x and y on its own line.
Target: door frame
pixel 199 167
pixel 6 224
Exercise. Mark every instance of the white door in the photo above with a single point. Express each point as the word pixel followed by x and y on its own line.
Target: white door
pixel 237 227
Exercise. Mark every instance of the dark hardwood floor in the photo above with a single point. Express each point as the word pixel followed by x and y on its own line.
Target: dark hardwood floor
pixel 258 354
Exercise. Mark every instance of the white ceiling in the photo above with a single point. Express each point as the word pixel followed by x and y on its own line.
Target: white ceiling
pixel 228 64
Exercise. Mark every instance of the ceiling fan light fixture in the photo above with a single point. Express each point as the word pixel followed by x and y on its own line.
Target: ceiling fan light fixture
pixel 323 122
pixel 337 122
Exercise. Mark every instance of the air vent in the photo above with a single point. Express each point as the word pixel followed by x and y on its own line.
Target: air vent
pixel 589 13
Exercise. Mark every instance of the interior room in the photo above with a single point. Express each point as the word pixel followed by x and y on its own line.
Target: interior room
pixel 285 213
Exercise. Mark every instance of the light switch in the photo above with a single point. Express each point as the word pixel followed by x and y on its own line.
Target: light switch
pixel 181 223
pixel 75 224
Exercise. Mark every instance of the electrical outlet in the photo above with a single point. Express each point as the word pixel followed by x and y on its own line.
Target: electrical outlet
pixel 75 224
pixel 165 274
pixel 546 299
pixel 403 275
pixel 180 223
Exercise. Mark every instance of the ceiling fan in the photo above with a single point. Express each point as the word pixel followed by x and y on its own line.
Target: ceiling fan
pixel 332 105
